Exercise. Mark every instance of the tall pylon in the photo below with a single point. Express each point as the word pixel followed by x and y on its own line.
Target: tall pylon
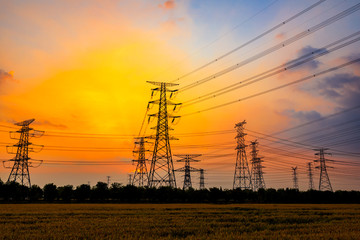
pixel 162 167
pixel 295 180
pixel 257 168
pixel 22 161
pixel 310 175
pixel 140 177
pixel 242 176
pixel 187 169
pixel 324 182
pixel 202 179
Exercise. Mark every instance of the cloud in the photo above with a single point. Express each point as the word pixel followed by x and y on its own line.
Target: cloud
pixel 280 36
pixel 170 4
pixel 6 76
pixel 48 123
pixel 308 51
pixel 342 89
pixel 302 116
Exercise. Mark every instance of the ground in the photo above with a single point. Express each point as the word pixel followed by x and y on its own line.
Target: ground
pixel 179 221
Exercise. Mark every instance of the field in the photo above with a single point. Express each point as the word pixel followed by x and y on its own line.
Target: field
pixel 179 221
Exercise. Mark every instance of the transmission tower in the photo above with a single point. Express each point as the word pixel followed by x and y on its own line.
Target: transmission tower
pixel 324 182
pixel 108 180
pixel 310 175
pixel 129 179
pixel 257 172
pixel 140 177
pixel 202 179
pixel 22 161
pixel 162 167
pixel 187 158
pixel 295 180
pixel 242 176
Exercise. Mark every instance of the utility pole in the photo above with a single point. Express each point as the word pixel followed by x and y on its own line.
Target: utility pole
pixel 324 182
pixel 242 176
pixel 22 161
pixel 202 179
pixel 310 175
pixel 257 172
pixel 140 177
pixel 295 180
pixel 162 167
pixel 187 158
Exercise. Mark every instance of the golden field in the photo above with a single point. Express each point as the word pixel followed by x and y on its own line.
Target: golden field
pixel 179 221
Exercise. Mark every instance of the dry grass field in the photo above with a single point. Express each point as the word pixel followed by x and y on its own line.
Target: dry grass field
pixel 179 221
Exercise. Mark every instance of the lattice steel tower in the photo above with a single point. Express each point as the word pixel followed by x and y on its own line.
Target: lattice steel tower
pixel 324 182
pixel 310 175
pixel 295 180
pixel 257 168
pixel 202 179
pixel 162 167
pixel 187 169
pixel 242 176
pixel 140 177
pixel 20 170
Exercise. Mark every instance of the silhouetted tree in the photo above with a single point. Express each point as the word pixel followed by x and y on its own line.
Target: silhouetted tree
pixel 50 192
pixel 66 193
pixel 100 191
pixel 35 193
pixel 82 192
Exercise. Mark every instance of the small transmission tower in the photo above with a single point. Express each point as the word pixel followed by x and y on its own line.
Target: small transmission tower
pixel 242 176
pixel 20 169
pixel 324 182
pixel 257 172
pixel 310 175
pixel 140 177
pixel 187 158
pixel 162 167
pixel 295 180
pixel 202 179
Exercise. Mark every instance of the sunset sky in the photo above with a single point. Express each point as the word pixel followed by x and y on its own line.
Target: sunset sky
pixel 80 69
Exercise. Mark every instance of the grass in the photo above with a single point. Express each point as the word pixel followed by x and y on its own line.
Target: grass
pixel 179 221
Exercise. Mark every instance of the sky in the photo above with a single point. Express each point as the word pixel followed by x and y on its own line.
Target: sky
pixel 80 68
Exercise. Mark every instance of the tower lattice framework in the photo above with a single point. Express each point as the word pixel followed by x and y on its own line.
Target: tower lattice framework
pixel 257 168
pixel 21 163
pixel 324 182
pixel 162 168
pixel 310 175
pixel 140 176
pixel 187 169
pixel 242 175
pixel 295 179
pixel 202 179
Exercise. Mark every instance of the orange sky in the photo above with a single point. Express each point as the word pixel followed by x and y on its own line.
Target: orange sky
pixel 82 68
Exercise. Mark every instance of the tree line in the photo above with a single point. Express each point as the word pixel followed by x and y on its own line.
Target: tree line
pixel 117 193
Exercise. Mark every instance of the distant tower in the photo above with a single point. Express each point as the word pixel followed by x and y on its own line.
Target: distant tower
pixel 295 180
pixel 187 158
pixel 22 162
pixel 108 180
pixel 324 182
pixel 202 179
pixel 257 172
pixel 162 167
pixel 310 175
pixel 242 176
pixel 130 179
pixel 140 177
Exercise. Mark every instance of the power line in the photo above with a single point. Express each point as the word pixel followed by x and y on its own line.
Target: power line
pixel 252 40
pixel 287 42
pixel 277 88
